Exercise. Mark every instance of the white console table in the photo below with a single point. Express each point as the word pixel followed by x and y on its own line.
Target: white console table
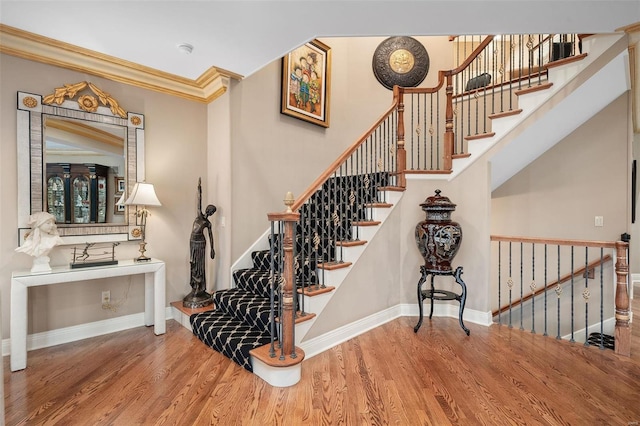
pixel 154 305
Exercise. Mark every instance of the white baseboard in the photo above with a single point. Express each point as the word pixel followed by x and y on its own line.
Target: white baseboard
pixel 450 310
pixel 320 344
pixel 82 331
pixel 609 326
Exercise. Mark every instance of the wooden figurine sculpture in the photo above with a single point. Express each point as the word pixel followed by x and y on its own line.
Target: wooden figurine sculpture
pixel 198 297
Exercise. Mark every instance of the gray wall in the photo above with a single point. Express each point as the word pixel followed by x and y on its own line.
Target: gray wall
pixel 176 138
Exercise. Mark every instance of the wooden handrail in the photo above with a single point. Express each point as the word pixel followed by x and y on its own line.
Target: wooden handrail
pixel 471 57
pixel 552 241
pixel 544 40
pixel 442 77
pixel 302 198
pixel 562 280
pixel 622 314
pixel 443 74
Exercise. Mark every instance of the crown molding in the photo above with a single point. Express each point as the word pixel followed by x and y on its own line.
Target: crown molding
pixel 209 86
pixel 633 28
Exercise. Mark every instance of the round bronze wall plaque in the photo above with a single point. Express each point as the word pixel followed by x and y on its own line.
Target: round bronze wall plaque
pixel 400 60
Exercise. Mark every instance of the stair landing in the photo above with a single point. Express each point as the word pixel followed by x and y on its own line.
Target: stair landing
pixel 182 314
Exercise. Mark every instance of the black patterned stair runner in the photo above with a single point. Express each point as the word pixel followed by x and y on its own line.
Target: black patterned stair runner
pixel 240 321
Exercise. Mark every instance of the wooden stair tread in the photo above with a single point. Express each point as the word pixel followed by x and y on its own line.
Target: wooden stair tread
pixel 189 311
pixel 532 89
pixel 479 136
pixel 263 354
pixel 366 223
pixel 391 188
pixel 465 155
pixel 300 317
pixel 330 266
pixel 379 205
pixel 351 243
pixel 311 292
pixel 428 172
pixel 566 60
pixel 505 114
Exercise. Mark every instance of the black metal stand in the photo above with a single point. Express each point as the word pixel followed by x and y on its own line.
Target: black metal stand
pixel 435 294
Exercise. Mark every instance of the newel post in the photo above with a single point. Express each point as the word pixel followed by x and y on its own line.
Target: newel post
pixel 622 332
pixel 401 153
pixel 448 133
pixel 287 320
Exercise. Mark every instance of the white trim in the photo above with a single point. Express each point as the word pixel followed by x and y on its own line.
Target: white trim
pixel 245 261
pixel 181 318
pixel 279 377
pixel 328 340
pixel 608 327
pixel 450 310
pixel 82 331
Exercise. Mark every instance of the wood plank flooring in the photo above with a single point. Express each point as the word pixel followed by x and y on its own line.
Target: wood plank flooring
pixel 439 376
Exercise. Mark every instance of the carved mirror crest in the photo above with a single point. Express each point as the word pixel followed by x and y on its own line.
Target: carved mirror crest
pixel 73 145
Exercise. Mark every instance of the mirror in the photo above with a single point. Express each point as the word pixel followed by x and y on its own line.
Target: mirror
pixel 84 164
pixel 78 152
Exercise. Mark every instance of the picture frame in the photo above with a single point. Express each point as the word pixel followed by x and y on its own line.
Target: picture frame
pixel 306 83
pixel 120 185
pixel 118 208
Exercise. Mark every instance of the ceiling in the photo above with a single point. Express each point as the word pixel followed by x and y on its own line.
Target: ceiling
pixel 243 36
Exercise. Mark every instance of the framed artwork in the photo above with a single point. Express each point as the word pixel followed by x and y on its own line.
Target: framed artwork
pixel 120 188
pixel 117 208
pixel 306 83
pixel 120 185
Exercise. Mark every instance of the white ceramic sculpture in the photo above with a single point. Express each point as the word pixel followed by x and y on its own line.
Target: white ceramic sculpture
pixel 40 240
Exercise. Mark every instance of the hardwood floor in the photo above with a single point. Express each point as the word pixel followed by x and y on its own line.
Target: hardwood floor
pixel 439 376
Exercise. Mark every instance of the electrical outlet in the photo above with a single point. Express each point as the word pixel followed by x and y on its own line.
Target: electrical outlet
pixel 599 221
pixel 106 296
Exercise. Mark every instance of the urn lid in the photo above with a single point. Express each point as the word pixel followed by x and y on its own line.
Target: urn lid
pixel 437 203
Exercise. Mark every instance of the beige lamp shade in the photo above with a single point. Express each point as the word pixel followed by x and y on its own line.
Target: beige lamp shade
pixel 143 194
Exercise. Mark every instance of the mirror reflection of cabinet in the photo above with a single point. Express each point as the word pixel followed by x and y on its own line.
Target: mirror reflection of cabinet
pixel 77 193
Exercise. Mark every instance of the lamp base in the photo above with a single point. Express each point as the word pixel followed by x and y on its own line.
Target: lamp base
pixel 142 257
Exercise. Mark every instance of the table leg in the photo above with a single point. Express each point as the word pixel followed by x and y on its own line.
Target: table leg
pixel 463 297
pixel 433 291
pixel 18 325
pixel 159 297
pixel 423 278
pixel 148 298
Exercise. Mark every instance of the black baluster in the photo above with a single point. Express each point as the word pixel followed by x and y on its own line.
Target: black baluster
pixel 499 282
pixel 510 284
pixel 558 293
pixel 585 296
pixel 533 288
pixel 572 307
pixel 545 291
pixel 521 288
pixel 601 297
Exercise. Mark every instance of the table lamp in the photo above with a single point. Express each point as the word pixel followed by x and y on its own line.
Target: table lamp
pixel 142 195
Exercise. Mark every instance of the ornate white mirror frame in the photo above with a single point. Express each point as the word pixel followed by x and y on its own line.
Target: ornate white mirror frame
pixel 94 106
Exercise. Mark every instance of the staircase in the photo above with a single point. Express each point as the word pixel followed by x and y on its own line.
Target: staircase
pixel 242 320
pixel 332 232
